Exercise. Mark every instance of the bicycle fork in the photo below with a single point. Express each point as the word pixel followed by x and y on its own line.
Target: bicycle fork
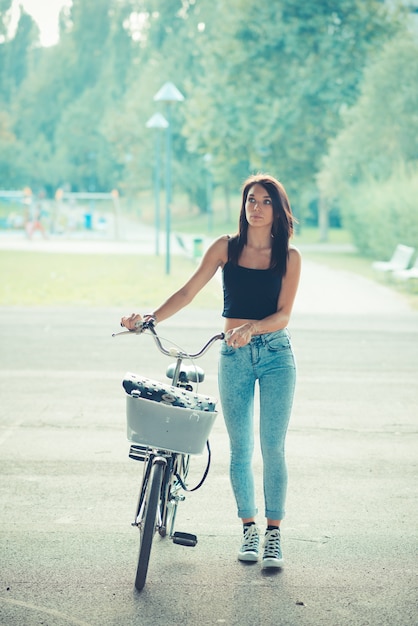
pixel 169 498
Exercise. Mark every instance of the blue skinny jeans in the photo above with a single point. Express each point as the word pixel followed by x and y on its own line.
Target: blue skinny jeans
pixel 268 359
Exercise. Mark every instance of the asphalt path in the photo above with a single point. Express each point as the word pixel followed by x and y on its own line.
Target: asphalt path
pixel 68 489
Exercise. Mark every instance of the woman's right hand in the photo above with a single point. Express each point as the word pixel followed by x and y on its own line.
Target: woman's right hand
pixel 131 321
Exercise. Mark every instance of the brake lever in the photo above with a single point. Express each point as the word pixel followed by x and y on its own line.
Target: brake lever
pixel 125 332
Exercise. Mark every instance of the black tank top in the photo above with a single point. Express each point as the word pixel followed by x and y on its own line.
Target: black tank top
pixel 249 294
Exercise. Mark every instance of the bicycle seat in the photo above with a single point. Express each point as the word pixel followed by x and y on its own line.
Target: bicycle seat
pixel 188 373
pixel 149 389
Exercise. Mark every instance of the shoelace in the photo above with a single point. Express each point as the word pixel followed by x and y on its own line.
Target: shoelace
pixel 272 545
pixel 250 539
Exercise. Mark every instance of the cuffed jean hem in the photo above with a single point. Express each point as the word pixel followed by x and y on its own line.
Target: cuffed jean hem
pixel 248 514
pixel 268 514
pixel 279 515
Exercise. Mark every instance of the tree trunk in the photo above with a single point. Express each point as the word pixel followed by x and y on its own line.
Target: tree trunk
pixel 323 221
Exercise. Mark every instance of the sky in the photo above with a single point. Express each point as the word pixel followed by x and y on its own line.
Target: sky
pixel 45 13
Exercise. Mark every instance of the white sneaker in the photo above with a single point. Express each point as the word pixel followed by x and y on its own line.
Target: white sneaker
pixel 272 556
pixel 249 548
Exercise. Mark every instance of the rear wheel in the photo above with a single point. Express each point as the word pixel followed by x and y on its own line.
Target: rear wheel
pixel 148 523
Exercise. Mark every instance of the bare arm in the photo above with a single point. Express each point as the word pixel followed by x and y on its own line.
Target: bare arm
pixel 290 284
pixel 215 257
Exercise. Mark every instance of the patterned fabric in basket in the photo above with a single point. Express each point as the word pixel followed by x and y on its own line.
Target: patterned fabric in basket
pixel 150 389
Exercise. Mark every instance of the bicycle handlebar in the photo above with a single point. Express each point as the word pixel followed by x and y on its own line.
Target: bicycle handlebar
pixel 141 327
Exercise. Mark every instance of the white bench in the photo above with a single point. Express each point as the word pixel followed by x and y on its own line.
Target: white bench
pixel 400 260
pixel 407 274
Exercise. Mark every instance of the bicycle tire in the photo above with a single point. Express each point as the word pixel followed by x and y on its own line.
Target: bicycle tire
pixel 179 465
pixel 148 524
pixel 164 499
pixel 166 503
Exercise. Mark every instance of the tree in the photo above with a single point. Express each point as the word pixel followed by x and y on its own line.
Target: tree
pixel 43 110
pixel 11 154
pixel 83 153
pixel 378 148
pixel 4 25
pixel 165 51
pixel 88 40
pixel 275 77
pixel 381 129
pixel 16 53
pixel 264 83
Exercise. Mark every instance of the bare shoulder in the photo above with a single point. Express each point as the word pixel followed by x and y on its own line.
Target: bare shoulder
pixel 219 250
pixel 223 240
pixel 294 251
pixel 294 262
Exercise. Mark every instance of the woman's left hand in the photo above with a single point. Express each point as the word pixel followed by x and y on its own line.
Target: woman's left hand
pixel 240 336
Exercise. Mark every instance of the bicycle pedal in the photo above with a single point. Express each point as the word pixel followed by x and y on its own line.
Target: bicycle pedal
pixel 185 539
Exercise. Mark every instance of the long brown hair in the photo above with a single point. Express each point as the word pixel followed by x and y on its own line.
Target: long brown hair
pixel 282 227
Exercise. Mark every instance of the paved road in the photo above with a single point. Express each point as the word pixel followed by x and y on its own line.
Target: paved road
pixel 68 489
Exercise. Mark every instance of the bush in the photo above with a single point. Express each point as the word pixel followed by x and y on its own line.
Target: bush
pixel 371 169
pixel 380 215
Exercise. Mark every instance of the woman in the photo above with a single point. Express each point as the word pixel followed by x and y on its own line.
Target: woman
pixel 260 279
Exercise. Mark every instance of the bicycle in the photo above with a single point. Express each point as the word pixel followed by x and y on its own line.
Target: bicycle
pixel 165 425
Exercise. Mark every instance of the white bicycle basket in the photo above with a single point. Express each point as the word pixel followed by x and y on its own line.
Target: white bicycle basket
pixel 152 419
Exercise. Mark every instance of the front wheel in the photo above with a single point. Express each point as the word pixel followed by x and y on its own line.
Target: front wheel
pixel 179 467
pixel 148 523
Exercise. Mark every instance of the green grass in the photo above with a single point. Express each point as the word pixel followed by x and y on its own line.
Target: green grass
pixel 44 279
pixel 346 261
pixel 308 236
pixel 140 282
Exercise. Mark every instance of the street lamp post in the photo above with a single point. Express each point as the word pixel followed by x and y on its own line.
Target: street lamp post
pixel 168 94
pixel 158 122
